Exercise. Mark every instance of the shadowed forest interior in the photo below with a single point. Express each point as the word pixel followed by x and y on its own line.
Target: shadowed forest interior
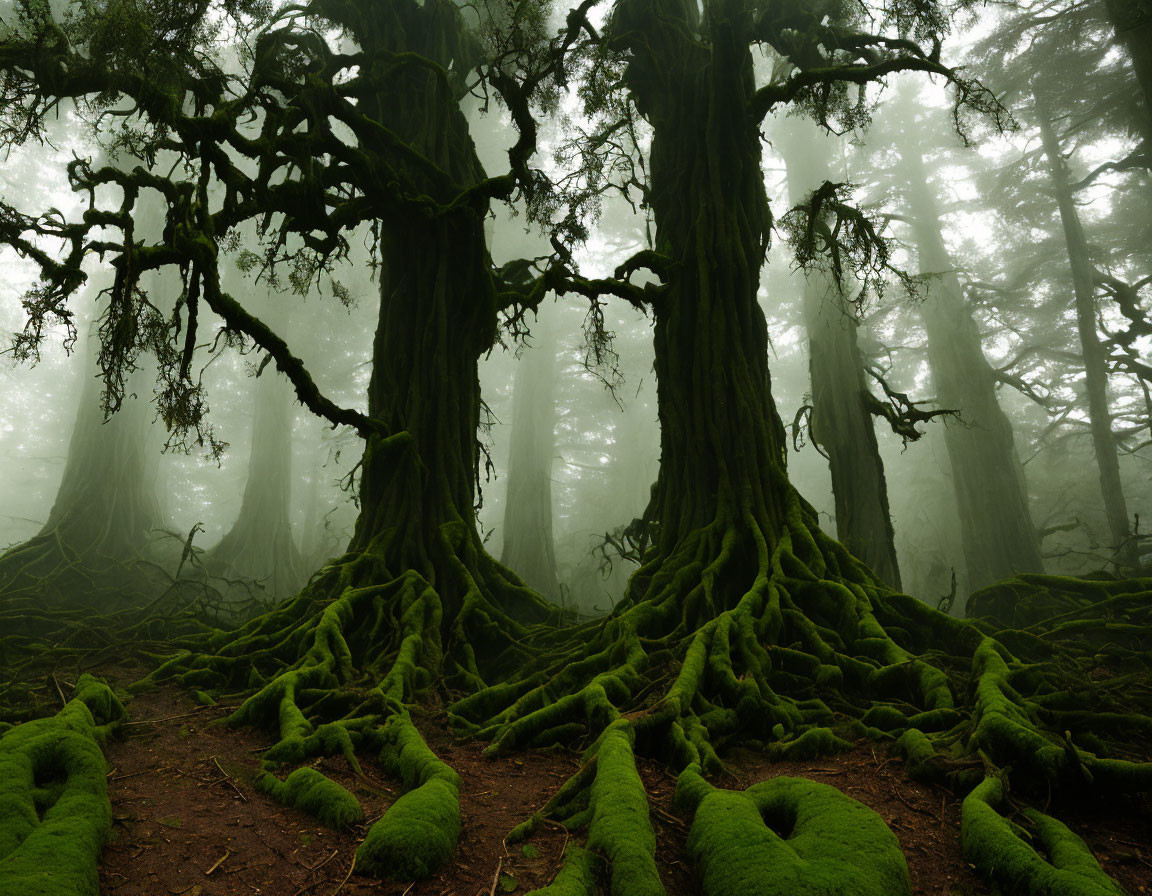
pixel 632 447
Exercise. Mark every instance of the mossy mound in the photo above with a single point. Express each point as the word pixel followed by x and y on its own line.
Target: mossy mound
pixel 789 837
pixel 54 809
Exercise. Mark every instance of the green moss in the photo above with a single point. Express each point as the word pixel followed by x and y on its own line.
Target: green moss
pixel 309 791
pixel 54 809
pixel 813 743
pixel 789 837
pixel 998 849
pixel 416 836
pixel 577 876
pixel 620 827
pixel 418 833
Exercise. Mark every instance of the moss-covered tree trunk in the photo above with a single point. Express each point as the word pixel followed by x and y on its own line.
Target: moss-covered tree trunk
pixel 415 606
pixel 721 440
pixel 528 544
pixel 1095 360
pixel 260 545
pixel 999 538
pixel 841 416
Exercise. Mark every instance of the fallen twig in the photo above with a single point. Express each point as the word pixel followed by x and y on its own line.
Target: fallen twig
pixel 228 778
pixel 351 868
pixel 219 862
pixel 496 877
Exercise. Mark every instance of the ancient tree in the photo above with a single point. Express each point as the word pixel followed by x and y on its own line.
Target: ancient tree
pixel 310 142
pixel 745 622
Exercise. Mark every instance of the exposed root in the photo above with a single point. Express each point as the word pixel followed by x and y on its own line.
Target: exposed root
pixel 309 791
pixel 1051 862
pixel 577 876
pixel 54 809
pixel 790 644
pixel 334 670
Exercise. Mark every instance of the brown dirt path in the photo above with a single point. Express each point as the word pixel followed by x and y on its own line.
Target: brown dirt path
pixel 188 822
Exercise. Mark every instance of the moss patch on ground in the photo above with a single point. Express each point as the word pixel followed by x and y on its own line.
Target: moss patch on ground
pixel 789 837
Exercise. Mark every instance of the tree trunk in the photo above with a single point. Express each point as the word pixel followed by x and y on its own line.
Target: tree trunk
pixel 106 509
pixel 528 545
pixel 721 441
pixel 991 496
pixel 260 544
pixel 415 600
pixel 842 422
pixel 1095 361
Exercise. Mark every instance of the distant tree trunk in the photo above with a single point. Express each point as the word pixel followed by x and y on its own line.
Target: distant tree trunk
pixel 107 502
pixel 528 544
pixel 106 507
pixel 260 545
pixel 842 423
pixel 1132 20
pixel 320 537
pixel 991 496
pixel 1095 361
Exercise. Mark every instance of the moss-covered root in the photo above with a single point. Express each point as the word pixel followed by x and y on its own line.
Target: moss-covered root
pixel 789 837
pixel 309 791
pixel 577 876
pixel 54 809
pixel 620 828
pixel 1063 866
pixel 418 833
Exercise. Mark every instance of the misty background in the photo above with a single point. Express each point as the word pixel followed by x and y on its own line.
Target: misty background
pixel 953 388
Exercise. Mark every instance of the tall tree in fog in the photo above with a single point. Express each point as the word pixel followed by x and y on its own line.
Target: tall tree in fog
pixel 841 422
pixel 988 480
pixel 416 597
pixel 527 530
pixel 1083 289
pixel 106 512
pixel 1071 89
pixel 260 544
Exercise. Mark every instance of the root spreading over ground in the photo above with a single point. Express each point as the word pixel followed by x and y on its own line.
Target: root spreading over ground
pixel 789 646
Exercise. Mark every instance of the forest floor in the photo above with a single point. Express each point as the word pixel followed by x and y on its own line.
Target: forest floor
pixel 189 823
